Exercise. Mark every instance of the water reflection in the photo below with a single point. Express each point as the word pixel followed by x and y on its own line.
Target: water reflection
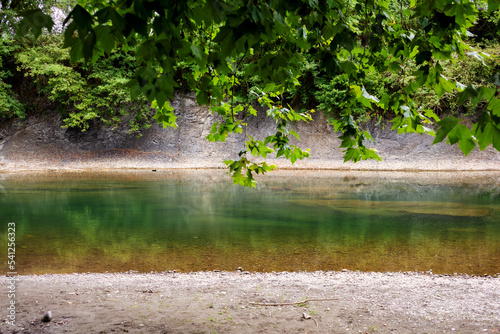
pixel 200 221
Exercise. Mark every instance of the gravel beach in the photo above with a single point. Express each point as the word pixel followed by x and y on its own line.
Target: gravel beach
pixel 235 302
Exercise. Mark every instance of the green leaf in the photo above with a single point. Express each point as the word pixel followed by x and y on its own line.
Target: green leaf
pixel 81 17
pixel 447 84
pixel 494 106
pixel 492 5
pixel 467 93
pixel 351 154
pixel 490 134
pixel 356 90
pixel 459 15
pixel 88 46
pixel 252 110
pixel 483 93
pixel 457 133
pixel 110 14
pixel 348 67
pixel 446 125
pixel 164 115
pixel 423 56
pixel 34 20
pixel 429 113
pixel 295 134
pixel 197 51
pixel 138 24
pixel 466 145
pixel 395 66
pixel 76 52
pixel 106 39
pixel 225 39
pixel 496 138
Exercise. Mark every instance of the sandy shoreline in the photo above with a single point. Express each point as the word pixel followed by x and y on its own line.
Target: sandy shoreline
pixel 219 302
pixel 150 162
pixel 410 171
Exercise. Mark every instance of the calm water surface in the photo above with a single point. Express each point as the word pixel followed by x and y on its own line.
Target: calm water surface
pixel 200 221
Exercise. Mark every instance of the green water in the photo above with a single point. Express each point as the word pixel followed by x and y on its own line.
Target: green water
pixel 200 221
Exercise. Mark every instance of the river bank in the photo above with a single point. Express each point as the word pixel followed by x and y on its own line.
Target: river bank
pixel 221 302
pixel 40 142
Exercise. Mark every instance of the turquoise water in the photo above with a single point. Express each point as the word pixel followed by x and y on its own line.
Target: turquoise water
pixel 200 221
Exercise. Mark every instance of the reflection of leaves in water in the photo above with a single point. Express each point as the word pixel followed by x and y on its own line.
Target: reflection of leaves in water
pixel 385 207
pixel 187 212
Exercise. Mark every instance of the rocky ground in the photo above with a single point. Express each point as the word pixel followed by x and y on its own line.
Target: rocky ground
pixel 242 302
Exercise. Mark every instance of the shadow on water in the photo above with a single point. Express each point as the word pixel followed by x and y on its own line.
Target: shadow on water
pixel 192 221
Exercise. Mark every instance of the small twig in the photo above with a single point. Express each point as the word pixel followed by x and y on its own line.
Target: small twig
pixel 296 303
pixel 315 322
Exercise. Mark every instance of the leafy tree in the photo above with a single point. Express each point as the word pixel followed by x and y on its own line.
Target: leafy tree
pixel 83 92
pixel 233 53
pixel 9 102
pixel 10 10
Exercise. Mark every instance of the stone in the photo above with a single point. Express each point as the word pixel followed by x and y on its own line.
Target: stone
pixel 47 317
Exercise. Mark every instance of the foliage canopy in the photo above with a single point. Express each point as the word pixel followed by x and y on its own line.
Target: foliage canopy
pixel 235 54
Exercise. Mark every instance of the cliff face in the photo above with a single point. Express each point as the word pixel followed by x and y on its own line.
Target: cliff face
pixel 41 142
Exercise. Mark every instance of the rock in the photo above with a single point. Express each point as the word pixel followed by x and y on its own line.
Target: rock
pixel 43 135
pixel 47 317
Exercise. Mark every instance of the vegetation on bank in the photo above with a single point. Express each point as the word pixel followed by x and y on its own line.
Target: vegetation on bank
pixel 38 74
pixel 423 65
pixel 34 72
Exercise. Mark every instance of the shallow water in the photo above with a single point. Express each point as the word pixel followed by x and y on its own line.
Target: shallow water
pixel 191 221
